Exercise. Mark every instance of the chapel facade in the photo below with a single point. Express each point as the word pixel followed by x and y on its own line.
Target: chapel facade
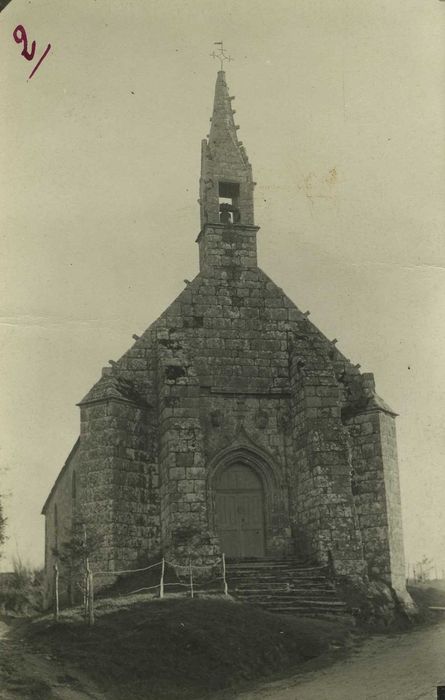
pixel 233 425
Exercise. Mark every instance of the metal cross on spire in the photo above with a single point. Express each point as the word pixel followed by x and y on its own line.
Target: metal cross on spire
pixel 221 54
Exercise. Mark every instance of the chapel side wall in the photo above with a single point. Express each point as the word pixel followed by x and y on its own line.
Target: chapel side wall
pixel 377 495
pixel 58 533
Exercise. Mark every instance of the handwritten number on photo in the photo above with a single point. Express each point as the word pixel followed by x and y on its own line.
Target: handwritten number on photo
pixel 20 37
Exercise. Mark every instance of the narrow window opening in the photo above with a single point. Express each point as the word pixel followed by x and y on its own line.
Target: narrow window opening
pixel 229 212
pixel 73 487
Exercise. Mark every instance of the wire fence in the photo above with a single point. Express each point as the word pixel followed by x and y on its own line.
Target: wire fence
pixel 172 578
pixel 166 577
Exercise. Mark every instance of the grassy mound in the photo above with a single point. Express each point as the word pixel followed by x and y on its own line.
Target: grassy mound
pixel 179 648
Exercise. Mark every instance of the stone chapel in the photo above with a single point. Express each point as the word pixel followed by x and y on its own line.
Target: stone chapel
pixel 233 425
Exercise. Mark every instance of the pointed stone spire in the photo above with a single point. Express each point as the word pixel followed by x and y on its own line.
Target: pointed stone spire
pixel 226 186
pixel 223 138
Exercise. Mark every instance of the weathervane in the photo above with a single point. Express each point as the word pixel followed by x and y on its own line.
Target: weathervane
pixel 221 55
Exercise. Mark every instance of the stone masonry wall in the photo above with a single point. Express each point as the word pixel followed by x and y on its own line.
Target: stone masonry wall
pixel 120 481
pixel 181 455
pixel 323 507
pixel 223 354
pixel 231 247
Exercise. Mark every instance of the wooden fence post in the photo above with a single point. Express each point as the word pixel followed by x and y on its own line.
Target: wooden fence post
pixel 191 578
pixel 56 592
pixel 161 585
pixel 226 590
pixel 86 585
pixel 85 595
pixel 90 596
pixel 86 578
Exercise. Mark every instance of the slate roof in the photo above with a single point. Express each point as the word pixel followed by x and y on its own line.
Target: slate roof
pixel 112 386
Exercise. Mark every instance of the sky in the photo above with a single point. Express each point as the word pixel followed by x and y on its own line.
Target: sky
pixel 341 110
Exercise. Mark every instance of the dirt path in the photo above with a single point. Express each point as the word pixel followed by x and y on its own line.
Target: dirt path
pixel 402 667
pixel 25 673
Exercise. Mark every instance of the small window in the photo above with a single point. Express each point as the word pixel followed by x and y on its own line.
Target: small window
pixel 229 212
pixel 73 486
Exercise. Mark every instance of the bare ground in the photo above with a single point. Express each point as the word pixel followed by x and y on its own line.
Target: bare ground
pixel 399 667
pixel 25 673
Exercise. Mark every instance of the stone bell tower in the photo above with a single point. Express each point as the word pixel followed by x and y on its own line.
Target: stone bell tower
pixel 226 190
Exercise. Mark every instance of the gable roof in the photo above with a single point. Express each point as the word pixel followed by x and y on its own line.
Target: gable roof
pixel 61 473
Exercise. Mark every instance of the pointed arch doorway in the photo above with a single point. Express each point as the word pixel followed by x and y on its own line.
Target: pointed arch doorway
pixel 239 506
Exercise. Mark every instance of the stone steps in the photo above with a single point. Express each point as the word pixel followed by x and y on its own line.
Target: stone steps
pixel 284 586
pixel 306 611
pixel 285 577
pixel 279 588
pixel 272 564
pixel 280 593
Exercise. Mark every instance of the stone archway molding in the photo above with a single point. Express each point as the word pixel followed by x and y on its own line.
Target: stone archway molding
pixel 243 449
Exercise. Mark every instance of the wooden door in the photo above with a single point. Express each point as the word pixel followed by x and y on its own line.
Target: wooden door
pixel 240 512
